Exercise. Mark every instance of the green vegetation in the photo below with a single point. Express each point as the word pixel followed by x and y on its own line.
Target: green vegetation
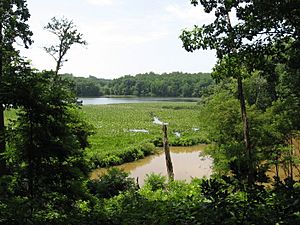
pixel 176 84
pixel 43 173
pixel 251 117
pixel 111 184
pixel 213 201
pixel 268 65
pixel 113 141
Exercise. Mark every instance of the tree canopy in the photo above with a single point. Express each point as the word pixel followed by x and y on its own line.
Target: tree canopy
pixel 67 35
pixel 176 84
pixel 13 24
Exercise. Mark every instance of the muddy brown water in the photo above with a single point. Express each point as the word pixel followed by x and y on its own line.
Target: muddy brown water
pixel 282 170
pixel 187 163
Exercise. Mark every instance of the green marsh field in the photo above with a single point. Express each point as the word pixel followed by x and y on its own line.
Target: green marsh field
pixel 126 132
pixel 114 141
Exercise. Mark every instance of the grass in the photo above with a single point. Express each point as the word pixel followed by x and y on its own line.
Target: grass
pixel 113 143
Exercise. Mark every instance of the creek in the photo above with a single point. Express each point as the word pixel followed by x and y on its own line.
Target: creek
pixel 187 163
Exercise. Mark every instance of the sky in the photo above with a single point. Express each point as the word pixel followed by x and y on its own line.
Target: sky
pixel 125 37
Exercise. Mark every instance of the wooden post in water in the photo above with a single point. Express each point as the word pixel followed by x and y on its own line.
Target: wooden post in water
pixel 167 152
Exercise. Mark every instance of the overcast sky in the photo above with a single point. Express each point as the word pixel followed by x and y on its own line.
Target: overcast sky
pixel 124 36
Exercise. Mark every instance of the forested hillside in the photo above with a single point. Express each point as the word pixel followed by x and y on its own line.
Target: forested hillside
pixel 175 84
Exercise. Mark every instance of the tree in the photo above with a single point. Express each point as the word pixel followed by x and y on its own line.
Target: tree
pixel 67 35
pixel 13 18
pixel 44 147
pixel 45 153
pixel 261 29
pixel 221 36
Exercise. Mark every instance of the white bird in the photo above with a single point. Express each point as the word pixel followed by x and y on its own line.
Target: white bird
pixel 177 134
pixel 157 121
pixel 139 131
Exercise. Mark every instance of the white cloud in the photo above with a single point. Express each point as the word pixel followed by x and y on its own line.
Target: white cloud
pixel 189 14
pixel 126 39
pixel 100 2
pixel 123 33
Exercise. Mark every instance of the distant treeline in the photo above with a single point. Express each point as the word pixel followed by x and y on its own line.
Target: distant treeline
pixel 176 84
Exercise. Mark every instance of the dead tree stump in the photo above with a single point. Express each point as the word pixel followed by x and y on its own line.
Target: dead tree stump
pixel 167 153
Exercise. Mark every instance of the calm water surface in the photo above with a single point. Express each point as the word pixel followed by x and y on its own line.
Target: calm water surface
pixel 105 101
pixel 186 164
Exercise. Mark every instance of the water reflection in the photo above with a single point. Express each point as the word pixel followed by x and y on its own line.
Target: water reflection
pixel 186 164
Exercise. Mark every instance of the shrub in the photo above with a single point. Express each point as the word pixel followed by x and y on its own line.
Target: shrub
pixel 111 184
pixel 155 182
pixel 147 148
pixel 131 154
pixel 110 160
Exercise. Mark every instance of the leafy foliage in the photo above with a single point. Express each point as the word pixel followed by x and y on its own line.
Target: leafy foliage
pixel 155 182
pixel 67 35
pixel 45 152
pixel 176 84
pixel 111 184
pixel 214 201
pixel 13 18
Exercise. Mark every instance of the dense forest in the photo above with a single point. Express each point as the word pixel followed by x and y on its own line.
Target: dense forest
pixel 250 116
pixel 176 84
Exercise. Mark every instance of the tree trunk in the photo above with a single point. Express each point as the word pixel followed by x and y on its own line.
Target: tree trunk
pixel 2 127
pixel 31 174
pixel 167 153
pixel 251 167
pixel 2 141
pixel 250 159
pixel 57 68
pixel 277 170
pixel 291 152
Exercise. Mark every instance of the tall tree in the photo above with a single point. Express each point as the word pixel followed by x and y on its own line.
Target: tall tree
pixel 46 153
pixel 13 17
pixel 67 35
pixel 261 28
pixel 221 36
